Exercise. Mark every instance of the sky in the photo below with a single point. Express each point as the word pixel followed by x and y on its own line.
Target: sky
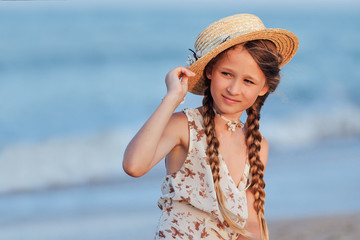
pixel 283 4
pixel 226 3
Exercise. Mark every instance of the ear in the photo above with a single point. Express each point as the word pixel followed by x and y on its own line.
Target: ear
pixel 264 90
pixel 208 72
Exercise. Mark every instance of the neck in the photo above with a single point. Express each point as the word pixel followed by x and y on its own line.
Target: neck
pixel 232 125
pixel 231 116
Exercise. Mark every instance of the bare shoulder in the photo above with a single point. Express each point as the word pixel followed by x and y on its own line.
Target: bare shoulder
pixel 178 125
pixel 178 119
pixel 264 151
pixel 179 116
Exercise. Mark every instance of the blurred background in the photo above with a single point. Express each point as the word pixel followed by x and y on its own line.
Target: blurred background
pixel 79 78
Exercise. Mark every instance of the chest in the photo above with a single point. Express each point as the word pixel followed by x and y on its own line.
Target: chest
pixel 234 153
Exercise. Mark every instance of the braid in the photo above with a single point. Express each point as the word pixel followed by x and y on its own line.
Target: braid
pixel 214 161
pixel 211 139
pixel 253 142
pixel 268 59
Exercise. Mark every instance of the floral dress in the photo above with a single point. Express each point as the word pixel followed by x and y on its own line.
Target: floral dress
pixel 189 206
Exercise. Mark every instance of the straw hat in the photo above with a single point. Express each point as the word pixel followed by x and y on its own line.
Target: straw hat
pixel 228 32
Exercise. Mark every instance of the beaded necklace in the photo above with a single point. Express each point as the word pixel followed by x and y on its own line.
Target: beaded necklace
pixel 232 125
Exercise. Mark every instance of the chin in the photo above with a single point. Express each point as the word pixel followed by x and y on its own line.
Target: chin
pixel 228 109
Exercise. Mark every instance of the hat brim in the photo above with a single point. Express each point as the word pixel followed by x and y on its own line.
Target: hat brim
pixel 286 43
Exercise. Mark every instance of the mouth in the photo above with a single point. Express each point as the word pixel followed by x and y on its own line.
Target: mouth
pixel 229 100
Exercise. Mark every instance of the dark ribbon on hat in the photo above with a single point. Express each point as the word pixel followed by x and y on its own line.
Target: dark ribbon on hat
pixel 194 54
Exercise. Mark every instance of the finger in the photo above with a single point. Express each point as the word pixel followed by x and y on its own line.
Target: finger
pixel 189 72
pixel 184 83
pixel 184 80
pixel 187 67
pixel 185 72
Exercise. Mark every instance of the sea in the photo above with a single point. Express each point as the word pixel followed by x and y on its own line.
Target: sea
pixel 78 80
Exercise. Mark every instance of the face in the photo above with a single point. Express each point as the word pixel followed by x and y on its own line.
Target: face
pixel 236 81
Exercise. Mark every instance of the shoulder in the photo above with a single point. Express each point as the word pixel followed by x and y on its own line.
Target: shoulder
pixel 178 119
pixel 178 125
pixel 264 151
pixel 185 115
pixel 180 122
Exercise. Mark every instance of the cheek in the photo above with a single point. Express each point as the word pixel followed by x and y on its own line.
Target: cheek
pixel 251 97
pixel 216 86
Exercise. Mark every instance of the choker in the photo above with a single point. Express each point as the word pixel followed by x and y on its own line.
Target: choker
pixel 232 125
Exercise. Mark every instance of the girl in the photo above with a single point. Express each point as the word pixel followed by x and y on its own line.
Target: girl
pixel 214 188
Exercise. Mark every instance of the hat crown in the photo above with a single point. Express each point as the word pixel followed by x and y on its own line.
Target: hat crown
pixel 225 29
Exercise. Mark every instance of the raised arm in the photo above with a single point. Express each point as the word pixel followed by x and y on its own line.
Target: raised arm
pixel 156 139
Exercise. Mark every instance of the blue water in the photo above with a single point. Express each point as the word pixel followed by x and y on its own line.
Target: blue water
pixel 72 71
pixel 76 83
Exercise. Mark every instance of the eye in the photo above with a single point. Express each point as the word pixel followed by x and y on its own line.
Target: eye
pixel 248 81
pixel 226 74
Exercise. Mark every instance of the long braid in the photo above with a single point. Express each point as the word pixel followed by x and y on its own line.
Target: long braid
pixel 253 142
pixel 268 59
pixel 266 56
pixel 214 161
pixel 211 139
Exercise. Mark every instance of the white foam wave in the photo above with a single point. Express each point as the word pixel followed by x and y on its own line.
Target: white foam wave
pixel 98 158
pixel 63 161
pixel 314 124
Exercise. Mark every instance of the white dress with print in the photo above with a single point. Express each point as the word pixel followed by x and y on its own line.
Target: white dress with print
pixel 189 206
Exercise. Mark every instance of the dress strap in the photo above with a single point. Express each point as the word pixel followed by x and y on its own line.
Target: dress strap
pixel 194 118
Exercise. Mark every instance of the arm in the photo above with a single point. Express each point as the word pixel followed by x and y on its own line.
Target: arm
pixel 264 152
pixel 158 135
pixel 253 223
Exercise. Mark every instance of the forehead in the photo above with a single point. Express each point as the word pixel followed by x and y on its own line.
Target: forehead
pixel 239 60
pixel 236 54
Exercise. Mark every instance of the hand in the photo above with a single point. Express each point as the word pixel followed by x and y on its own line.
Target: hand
pixel 175 87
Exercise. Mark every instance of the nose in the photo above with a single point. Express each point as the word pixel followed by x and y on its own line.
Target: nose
pixel 234 88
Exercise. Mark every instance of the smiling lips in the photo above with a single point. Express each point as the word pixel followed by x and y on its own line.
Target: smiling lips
pixel 229 100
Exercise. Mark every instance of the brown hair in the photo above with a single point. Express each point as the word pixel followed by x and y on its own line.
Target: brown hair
pixel 265 55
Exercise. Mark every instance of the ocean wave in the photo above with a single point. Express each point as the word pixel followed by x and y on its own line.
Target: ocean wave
pixel 63 161
pixel 314 124
pixel 74 160
pixel 96 158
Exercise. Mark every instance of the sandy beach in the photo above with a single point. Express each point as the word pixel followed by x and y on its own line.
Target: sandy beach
pixel 344 227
